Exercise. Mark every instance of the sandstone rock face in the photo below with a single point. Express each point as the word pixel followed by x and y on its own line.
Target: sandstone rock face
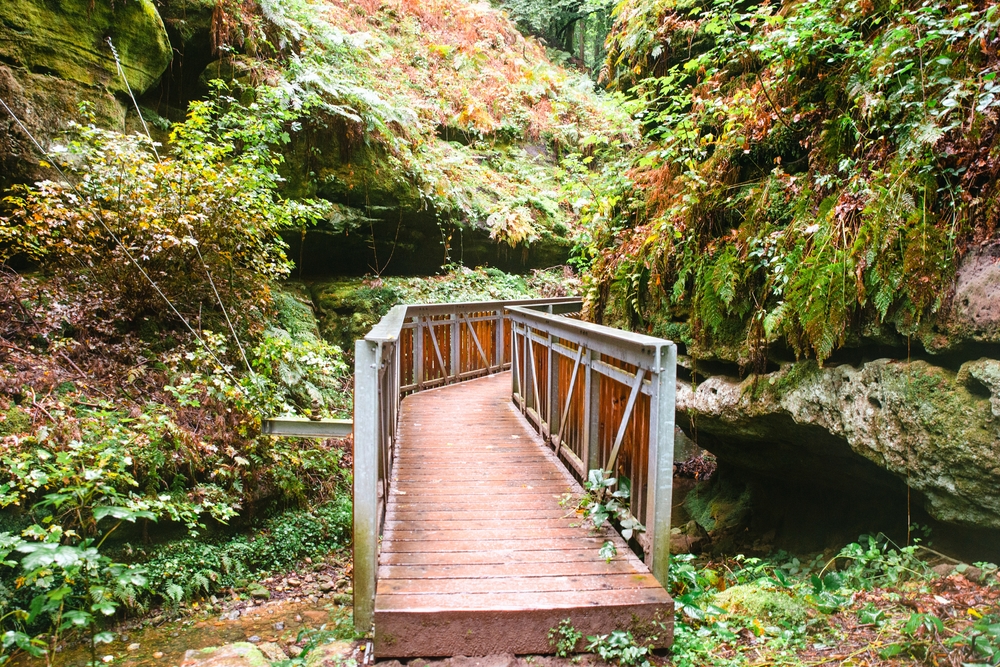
pixel 55 57
pixel 67 39
pixel 972 313
pixel 930 427
pixel 45 104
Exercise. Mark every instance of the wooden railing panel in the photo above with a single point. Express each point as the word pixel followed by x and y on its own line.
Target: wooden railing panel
pixel 614 411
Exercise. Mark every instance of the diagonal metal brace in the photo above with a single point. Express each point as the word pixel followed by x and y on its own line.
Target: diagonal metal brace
pixel 636 386
pixel 569 398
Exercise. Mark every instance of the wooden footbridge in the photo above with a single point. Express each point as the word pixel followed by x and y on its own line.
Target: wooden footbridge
pixel 471 424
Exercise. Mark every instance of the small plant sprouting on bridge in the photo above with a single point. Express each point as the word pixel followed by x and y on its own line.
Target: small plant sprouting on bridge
pixel 602 504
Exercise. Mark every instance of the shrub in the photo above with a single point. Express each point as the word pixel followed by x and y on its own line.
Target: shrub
pixel 202 219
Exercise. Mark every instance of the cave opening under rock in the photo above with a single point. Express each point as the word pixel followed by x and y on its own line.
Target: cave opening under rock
pixel 809 492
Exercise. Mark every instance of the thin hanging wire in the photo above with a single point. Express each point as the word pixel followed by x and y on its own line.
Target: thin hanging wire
pixel 118 241
pixel 225 312
pixel 121 73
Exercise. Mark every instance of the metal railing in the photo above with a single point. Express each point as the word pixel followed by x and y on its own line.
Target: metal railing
pixel 413 348
pixel 603 398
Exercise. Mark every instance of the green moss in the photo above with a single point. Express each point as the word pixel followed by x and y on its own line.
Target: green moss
pixel 71 42
pixel 768 606
pixel 718 504
pixel 785 380
pixel 15 421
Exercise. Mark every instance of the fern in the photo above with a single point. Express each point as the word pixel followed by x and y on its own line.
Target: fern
pixel 174 593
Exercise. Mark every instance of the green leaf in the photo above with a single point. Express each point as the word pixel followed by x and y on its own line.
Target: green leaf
pixel 77 618
pixel 123 513
pixel 106 607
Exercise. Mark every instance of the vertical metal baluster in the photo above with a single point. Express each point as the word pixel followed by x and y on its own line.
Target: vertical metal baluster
pixel 552 399
pixel 498 338
pixel 418 353
pixel 456 349
pixel 592 415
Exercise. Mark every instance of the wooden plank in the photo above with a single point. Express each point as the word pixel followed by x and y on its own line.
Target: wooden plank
pixel 546 584
pixel 484 536
pixel 528 522
pixel 521 631
pixel 526 600
pixel 501 570
pixel 454 546
pixel 477 514
pixel 583 553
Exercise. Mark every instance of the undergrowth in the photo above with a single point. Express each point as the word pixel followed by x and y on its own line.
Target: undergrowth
pixel 872 603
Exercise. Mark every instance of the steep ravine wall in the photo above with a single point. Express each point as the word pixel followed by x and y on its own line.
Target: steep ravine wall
pixel 878 429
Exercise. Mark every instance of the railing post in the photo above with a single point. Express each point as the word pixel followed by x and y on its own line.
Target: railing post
pixel 551 398
pixel 456 349
pixel 418 353
pixel 366 449
pixel 661 461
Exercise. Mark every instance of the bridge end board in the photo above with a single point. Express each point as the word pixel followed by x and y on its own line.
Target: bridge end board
pixel 442 631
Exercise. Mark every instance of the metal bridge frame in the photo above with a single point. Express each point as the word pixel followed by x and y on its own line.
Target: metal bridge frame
pixel 418 347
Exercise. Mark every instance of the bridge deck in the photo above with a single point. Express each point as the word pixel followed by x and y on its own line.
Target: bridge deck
pixel 478 557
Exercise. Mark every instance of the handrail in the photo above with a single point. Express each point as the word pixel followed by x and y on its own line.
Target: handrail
pixel 603 398
pixel 414 347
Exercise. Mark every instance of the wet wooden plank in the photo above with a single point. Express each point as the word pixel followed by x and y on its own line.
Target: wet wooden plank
pixel 483 571
pixel 479 555
pixel 525 600
pixel 522 585
pixel 584 553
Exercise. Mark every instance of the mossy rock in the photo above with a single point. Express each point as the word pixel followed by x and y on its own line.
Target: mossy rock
pixel 932 428
pixel 68 39
pixel 45 104
pixel 719 504
pixel 768 606
pixel 191 19
pixel 348 309
pixel 14 422
pixel 240 654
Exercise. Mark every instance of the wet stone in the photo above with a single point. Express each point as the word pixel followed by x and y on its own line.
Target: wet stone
pixel 240 654
pixel 272 651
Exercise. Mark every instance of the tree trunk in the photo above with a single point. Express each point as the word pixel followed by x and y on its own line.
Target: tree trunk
pixel 599 33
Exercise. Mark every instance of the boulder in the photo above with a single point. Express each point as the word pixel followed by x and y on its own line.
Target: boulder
pixel 68 39
pixel 333 654
pixel 846 427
